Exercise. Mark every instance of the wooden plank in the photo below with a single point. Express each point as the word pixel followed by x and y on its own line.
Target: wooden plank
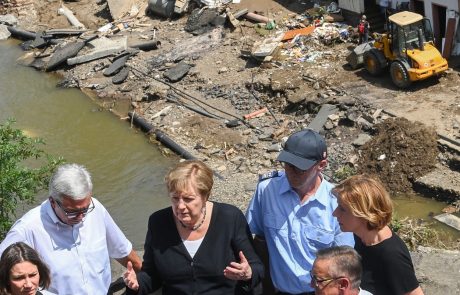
pixel 449 38
pixel 292 33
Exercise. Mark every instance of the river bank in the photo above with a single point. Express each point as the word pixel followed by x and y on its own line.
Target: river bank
pixel 222 82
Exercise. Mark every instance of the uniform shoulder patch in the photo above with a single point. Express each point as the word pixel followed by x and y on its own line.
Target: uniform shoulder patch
pixel 268 175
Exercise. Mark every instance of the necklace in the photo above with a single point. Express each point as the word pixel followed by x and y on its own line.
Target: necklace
pixel 196 226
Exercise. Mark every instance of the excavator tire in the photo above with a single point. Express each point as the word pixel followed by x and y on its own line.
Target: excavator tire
pixel 374 62
pixel 400 74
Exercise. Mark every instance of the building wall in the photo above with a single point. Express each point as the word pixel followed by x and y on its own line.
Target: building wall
pixel 352 5
pixel 452 11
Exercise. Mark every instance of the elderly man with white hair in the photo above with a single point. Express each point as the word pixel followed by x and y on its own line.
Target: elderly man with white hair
pixel 74 234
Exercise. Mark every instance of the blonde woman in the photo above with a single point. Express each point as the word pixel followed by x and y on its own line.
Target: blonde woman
pixel 365 208
pixel 196 246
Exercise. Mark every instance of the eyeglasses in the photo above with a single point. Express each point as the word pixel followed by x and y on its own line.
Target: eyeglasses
pixel 317 281
pixel 74 214
pixel 294 168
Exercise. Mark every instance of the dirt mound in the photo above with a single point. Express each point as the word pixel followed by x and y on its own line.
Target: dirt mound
pixel 400 152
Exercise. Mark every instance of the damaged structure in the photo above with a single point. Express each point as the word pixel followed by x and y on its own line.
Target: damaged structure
pixel 444 16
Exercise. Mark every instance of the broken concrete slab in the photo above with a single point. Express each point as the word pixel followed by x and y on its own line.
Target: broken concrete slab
pixel 120 8
pixel 116 66
pixel 449 219
pixel 69 50
pixel 193 46
pixel 442 183
pixel 434 269
pixel 121 76
pixel 266 47
pixel 321 118
pixel 178 72
pixel 63 53
pixel 102 47
pixel 4 33
pixel 361 140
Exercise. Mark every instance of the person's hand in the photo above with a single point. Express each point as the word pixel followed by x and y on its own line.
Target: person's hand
pixel 130 277
pixel 239 271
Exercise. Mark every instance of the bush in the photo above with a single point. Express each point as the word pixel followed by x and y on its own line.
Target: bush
pixel 19 182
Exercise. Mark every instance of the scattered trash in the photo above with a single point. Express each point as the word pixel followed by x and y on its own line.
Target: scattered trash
pixel 298 32
pixel 162 7
pixel 266 47
pixel 255 114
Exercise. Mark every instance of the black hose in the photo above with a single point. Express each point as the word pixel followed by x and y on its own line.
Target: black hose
pixel 194 98
pixel 164 139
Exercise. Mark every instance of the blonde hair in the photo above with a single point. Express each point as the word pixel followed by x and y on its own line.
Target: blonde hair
pixel 194 173
pixel 367 198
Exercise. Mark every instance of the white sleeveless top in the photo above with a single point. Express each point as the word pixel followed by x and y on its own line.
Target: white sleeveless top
pixel 192 246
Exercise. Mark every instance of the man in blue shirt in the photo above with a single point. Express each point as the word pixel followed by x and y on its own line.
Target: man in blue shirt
pixel 291 211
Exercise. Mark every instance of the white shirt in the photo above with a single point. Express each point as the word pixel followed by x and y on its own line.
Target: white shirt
pixel 364 292
pixel 78 256
pixel 192 246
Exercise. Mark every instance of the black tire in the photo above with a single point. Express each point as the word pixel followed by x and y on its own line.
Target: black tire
pixel 372 63
pixel 400 75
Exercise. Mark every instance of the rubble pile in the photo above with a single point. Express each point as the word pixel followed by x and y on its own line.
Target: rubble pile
pixel 228 83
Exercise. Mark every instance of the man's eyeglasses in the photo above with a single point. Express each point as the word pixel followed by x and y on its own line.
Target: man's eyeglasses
pixel 75 214
pixel 317 282
pixel 294 168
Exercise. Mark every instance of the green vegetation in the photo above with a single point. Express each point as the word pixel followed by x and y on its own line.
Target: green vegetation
pixel 344 172
pixel 20 179
pixel 420 233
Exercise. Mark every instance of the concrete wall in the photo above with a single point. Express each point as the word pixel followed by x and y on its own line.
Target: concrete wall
pixel 352 5
pixel 452 10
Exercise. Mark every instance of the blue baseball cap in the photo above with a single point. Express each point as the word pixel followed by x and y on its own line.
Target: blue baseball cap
pixel 303 149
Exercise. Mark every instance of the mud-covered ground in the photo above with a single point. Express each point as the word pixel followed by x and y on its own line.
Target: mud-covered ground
pixel 226 84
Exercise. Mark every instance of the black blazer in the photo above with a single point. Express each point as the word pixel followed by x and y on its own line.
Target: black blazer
pixel 167 263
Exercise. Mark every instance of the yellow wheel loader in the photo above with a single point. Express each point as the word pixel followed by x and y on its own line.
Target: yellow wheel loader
pixel 407 48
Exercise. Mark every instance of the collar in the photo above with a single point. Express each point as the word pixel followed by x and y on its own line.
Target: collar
pixel 49 210
pixel 319 196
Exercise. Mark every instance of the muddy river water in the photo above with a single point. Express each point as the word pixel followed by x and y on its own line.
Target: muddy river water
pixel 127 170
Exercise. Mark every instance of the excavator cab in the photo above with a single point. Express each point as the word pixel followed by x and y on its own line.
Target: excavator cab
pixel 407 48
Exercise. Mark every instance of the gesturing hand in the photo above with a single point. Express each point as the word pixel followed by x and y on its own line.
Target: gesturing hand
pixel 239 271
pixel 130 277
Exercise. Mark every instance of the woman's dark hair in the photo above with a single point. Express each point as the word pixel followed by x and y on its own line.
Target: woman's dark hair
pixel 17 253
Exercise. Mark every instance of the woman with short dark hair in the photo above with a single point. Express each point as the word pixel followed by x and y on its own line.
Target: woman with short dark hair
pixel 22 271
pixel 196 246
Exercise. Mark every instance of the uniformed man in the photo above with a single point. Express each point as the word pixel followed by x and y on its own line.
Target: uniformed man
pixel 291 214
